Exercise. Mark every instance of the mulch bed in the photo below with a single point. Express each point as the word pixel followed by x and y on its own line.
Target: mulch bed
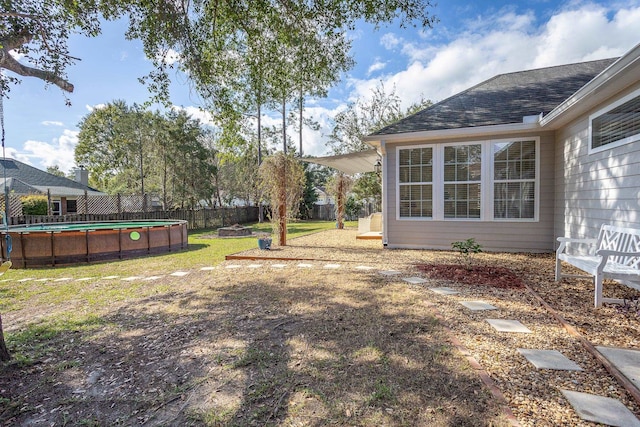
pixel 498 277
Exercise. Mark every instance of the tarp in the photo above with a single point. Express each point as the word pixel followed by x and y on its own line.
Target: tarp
pixel 351 164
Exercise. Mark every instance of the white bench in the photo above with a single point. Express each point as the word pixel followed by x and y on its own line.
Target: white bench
pixel 615 254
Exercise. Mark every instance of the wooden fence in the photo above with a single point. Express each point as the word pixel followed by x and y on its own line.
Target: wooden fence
pixel 196 219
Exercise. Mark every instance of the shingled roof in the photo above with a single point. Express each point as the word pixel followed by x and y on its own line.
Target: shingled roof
pixel 503 99
pixel 24 179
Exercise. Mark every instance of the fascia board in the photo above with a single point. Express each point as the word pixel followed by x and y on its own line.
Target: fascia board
pixel 480 131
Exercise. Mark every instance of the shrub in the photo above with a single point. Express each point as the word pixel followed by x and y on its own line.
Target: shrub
pixel 35 205
pixel 467 249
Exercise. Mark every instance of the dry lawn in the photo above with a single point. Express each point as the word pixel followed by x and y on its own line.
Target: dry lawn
pixel 314 346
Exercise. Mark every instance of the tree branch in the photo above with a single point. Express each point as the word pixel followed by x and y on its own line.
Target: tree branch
pixel 8 62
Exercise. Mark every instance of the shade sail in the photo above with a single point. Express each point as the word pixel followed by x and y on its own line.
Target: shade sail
pixel 351 164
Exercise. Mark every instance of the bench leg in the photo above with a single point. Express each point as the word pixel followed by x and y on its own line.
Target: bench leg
pixel 597 280
pixel 558 269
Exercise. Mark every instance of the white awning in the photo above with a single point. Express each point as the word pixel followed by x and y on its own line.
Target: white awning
pixel 351 164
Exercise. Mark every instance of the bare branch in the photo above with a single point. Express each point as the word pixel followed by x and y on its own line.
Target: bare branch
pixel 8 62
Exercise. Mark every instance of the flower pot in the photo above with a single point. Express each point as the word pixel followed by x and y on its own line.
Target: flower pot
pixel 264 243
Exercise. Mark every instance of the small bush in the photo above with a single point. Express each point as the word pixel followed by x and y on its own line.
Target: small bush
pixel 35 205
pixel 467 248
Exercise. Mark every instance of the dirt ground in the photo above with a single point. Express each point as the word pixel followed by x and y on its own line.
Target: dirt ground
pixel 272 342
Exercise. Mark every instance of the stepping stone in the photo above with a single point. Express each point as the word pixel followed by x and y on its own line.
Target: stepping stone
pixel 599 409
pixel 415 280
pixel 389 272
pixel 254 266
pixel 332 266
pixel 232 266
pixel 549 359
pixel 179 273
pixel 278 265
pixel 153 278
pixel 130 278
pixel 364 267
pixel 444 291
pixel 110 277
pixel 627 361
pixel 478 305
pixel 207 268
pixel 504 325
pixel 305 265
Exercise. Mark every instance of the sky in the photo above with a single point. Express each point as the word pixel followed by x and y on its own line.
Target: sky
pixel 473 41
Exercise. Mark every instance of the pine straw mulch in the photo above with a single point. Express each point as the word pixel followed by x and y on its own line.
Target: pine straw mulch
pixel 263 344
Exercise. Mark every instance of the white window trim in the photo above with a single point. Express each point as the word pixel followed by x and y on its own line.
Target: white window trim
pixel 636 137
pixel 486 182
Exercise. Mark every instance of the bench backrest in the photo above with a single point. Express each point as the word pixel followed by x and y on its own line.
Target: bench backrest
pixel 620 239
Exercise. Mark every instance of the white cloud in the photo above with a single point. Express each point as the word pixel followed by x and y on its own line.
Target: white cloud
pixel 376 66
pixel 59 152
pixel 52 123
pixel 390 41
pixel 505 42
pixel 197 113
pixel 169 57
pixel 90 108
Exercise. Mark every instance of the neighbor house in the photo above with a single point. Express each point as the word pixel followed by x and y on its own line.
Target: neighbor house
pixel 21 179
pixel 517 160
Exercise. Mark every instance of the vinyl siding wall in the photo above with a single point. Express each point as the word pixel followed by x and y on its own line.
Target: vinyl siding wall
pixel 597 188
pixel 500 235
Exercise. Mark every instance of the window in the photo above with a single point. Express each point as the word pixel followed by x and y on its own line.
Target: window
pixel 72 206
pixel 616 125
pixel 462 181
pixel 482 180
pixel 55 207
pixel 514 179
pixel 416 182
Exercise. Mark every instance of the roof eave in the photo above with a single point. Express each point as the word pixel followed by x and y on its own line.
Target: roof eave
pixel 615 78
pixel 446 134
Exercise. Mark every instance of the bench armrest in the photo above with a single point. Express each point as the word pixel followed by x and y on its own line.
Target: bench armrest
pixel 576 240
pixel 607 253
pixel 564 240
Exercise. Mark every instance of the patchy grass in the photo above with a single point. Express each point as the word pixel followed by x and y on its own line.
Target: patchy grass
pixel 232 347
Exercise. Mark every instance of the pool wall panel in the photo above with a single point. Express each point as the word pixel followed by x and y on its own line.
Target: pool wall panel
pixel 41 248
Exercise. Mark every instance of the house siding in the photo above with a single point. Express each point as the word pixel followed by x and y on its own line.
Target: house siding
pixel 507 236
pixel 597 188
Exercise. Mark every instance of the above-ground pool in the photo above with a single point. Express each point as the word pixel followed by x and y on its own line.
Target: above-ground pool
pixel 77 242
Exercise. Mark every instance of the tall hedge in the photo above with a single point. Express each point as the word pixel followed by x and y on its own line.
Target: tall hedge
pixel 34 205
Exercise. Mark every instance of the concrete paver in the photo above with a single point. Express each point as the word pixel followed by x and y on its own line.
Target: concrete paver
pixel 549 359
pixel 599 409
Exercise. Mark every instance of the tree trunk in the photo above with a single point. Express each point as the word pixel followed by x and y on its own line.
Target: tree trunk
pixel 260 208
pixel 300 122
pixel 282 217
pixel 340 203
pixel 4 352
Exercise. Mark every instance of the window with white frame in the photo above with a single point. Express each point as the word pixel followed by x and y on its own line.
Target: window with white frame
pixel 482 180
pixel 462 181
pixel 416 182
pixel 617 124
pixel 514 179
